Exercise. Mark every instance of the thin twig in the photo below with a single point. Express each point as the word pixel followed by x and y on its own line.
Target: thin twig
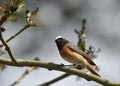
pixel 30 69
pixel 29 23
pixel 81 36
pixel 7 48
pixel 16 34
pixel 52 66
pixel 55 80
pixel 27 71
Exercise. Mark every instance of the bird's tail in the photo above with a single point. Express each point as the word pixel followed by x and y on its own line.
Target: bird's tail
pixel 92 70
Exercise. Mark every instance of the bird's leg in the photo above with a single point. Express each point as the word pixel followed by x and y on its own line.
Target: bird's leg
pixel 62 65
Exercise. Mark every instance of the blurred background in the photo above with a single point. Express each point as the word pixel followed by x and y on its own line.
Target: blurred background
pixel 61 17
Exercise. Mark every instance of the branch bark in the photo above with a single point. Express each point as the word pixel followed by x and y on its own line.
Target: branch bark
pixel 7 48
pixel 55 80
pixel 52 66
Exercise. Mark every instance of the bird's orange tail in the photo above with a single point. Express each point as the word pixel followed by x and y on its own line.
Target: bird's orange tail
pixel 92 70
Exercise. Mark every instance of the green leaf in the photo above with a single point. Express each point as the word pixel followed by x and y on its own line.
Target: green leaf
pixel 18 4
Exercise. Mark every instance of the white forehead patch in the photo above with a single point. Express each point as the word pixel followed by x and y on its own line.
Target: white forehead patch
pixel 58 37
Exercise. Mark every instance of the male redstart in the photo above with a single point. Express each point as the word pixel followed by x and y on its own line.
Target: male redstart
pixel 73 54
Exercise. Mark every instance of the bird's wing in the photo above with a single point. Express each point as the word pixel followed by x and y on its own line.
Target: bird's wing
pixel 76 49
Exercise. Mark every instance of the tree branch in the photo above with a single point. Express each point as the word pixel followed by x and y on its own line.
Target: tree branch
pixel 81 36
pixel 30 69
pixel 55 80
pixel 29 23
pixel 16 34
pixel 7 48
pixel 52 66
pixel 27 71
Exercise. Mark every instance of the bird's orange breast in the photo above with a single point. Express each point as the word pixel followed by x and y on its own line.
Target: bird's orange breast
pixel 71 56
pixel 67 54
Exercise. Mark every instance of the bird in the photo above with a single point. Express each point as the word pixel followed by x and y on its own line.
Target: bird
pixel 73 54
